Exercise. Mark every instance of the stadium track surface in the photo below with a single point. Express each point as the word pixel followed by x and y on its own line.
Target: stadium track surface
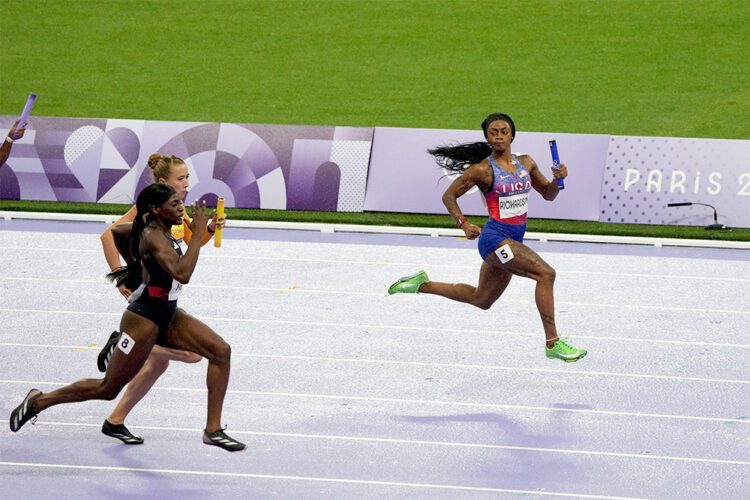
pixel 341 391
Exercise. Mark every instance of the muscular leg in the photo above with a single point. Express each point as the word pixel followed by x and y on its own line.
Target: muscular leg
pixel 528 263
pixel 154 367
pixel 121 370
pixel 493 280
pixel 188 333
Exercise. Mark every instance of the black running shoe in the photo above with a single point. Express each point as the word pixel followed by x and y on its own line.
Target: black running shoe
pixel 221 440
pixel 120 432
pixel 102 361
pixel 25 411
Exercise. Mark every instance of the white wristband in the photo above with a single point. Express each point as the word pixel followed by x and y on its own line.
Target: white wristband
pixel 9 139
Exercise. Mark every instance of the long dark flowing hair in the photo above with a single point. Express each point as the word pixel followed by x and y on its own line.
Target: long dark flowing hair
pixel 152 196
pixel 456 157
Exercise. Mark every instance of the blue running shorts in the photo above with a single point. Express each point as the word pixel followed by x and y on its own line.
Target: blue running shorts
pixel 494 232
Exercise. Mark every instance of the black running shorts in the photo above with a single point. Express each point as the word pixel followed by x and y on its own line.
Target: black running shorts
pixel 156 310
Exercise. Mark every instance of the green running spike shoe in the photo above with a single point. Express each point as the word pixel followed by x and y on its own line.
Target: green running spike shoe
pixel 409 284
pixel 566 352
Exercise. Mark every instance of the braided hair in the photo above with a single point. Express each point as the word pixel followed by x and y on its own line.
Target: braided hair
pixel 152 196
pixel 458 157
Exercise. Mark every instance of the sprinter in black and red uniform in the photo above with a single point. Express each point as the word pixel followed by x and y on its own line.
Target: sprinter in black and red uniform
pixel 165 169
pixel 153 316
pixel 156 298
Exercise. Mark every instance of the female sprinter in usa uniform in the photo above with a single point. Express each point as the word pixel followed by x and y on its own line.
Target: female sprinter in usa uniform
pixel 172 171
pixel 157 269
pixel 505 179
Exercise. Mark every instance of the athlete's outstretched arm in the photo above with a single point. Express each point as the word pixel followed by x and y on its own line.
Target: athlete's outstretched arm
pixel 121 236
pixel 7 143
pixel 474 175
pixel 111 253
pixel 548 189
pixel 179 267
pixel 108 242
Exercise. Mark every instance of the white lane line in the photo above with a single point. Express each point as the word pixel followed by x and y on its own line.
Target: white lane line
pixel 428 402
pixel 74 313
pixel 365 326
pixel 449 487
pixel 420 442
pixel 655 308
pixel 494 367
pixel 32 250
pixel 481 405
pixel 59 280
pixel 384 294
pixel 426 265
pixel 654 276
pixel 429 364
pixel 416 265
pixel 292 288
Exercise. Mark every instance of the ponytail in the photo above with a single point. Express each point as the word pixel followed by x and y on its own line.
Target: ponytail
pixel 456 158
pixel 131 275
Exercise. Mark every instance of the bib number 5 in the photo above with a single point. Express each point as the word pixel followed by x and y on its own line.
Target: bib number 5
pixel 504 253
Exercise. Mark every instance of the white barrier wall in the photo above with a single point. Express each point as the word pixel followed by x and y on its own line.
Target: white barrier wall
pixel 403 177
pixel 619 179
pixel 644 174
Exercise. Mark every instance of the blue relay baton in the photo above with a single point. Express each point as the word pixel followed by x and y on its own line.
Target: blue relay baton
pixel 26 112
pixel 556 162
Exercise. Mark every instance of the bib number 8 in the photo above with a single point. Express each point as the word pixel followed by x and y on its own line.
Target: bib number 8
pixel 126 343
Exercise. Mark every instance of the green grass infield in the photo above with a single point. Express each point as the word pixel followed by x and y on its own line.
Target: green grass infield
pixel 407 220
pixel 671 68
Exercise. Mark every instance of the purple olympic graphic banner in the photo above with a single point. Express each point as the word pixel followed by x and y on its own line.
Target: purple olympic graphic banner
pixel 249 165
pixel 644 174
pixel 405 178
pixel 610 179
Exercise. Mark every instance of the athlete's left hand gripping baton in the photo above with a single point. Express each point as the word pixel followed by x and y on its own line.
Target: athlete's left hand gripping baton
pixel 219 215
pixel 556 162
pixel 25 114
